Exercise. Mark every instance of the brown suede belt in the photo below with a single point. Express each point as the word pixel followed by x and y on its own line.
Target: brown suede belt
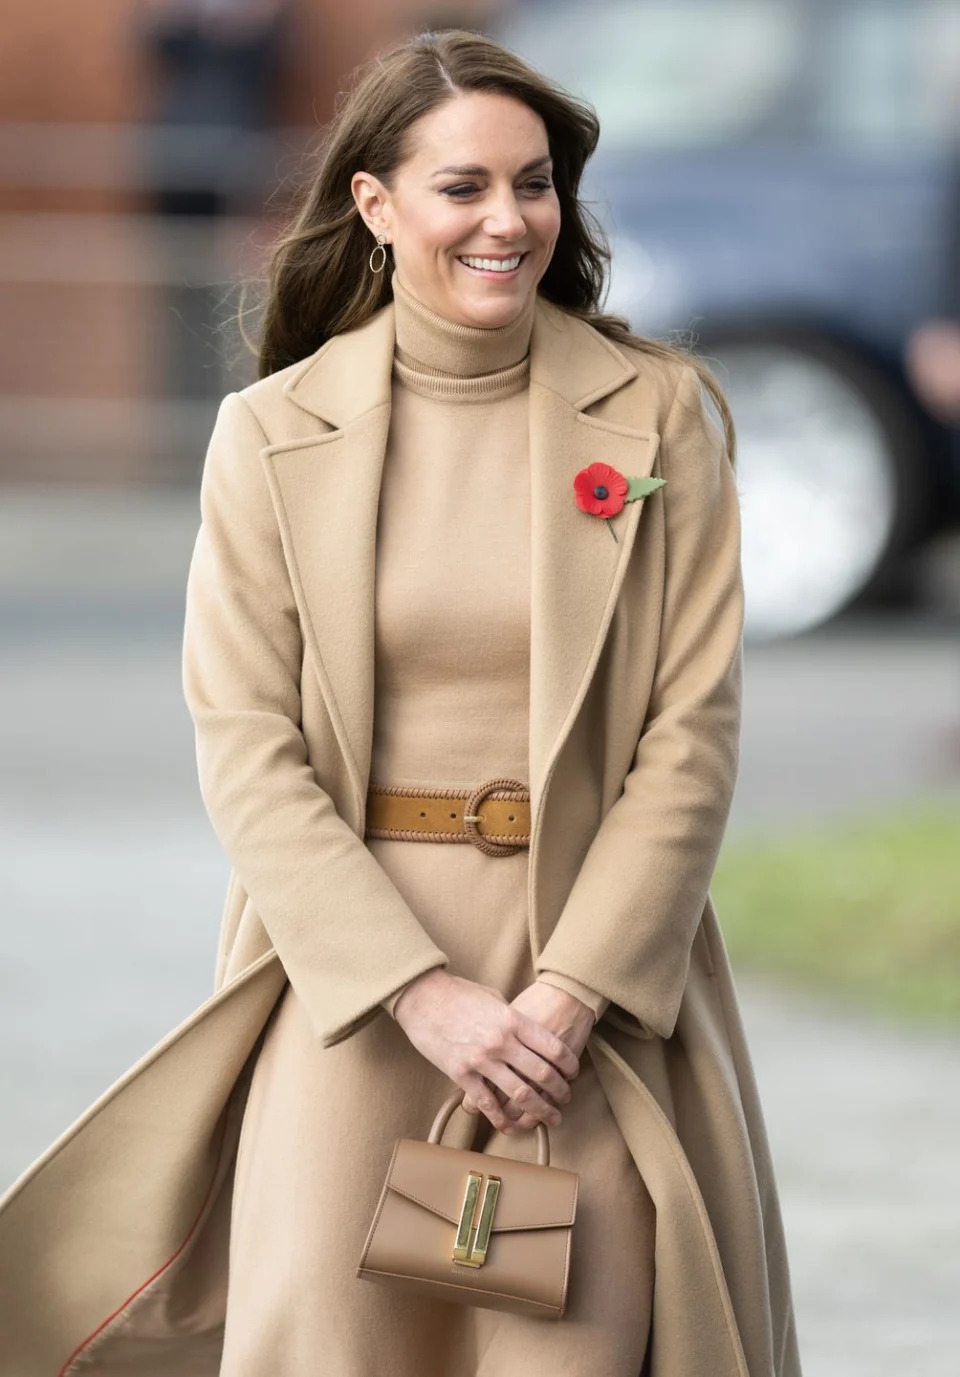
pixel 500 828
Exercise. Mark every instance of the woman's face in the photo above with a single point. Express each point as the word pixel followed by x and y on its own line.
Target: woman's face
pixel 477 183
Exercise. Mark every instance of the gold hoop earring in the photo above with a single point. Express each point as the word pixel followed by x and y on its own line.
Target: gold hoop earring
pixel 383 264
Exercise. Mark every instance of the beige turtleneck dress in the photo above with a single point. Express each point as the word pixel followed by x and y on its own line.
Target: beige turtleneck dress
pixel 452 693
pixel 451 709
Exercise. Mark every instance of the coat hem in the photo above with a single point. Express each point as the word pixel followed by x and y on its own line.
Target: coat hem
pixel 100 1332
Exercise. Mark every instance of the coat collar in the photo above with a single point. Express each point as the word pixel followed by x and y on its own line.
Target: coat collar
pixel 326 492
pixel 351 373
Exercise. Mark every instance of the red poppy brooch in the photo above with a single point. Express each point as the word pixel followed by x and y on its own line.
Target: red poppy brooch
pixel 601 490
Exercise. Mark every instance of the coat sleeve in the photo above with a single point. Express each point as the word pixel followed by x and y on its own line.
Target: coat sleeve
pixel 627 927
pixel 343 932
pixel 593 1001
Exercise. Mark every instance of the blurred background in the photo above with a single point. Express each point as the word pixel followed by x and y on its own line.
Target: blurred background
pixel 780 180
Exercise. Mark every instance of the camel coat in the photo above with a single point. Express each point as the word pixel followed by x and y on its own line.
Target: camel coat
pixel 113 1244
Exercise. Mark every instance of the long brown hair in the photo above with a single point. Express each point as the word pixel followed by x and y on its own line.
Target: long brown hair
pixel 319 282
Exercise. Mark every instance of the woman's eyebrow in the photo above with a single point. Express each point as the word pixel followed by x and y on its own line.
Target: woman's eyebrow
pixel 477 171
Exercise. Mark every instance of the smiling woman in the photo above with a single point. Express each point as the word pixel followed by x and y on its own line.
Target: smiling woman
pixel 454 229
pixel 472 763
pixel 318 282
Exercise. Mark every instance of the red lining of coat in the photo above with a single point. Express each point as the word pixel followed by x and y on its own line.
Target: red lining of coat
pixel 160 1270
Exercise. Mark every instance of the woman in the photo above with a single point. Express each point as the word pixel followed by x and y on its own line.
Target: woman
pixel 406 626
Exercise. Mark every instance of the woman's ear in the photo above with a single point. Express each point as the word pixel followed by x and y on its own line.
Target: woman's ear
pixel 373 202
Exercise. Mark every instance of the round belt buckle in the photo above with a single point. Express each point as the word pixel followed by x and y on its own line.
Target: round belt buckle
pixel 471 817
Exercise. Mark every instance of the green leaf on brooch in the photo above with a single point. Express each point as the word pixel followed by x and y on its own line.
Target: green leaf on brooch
pixel 639 487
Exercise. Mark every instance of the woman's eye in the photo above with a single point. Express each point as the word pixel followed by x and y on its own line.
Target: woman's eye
pixel 537 186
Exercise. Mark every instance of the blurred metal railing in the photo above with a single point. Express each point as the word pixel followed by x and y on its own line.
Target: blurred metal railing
pixel 144 157
pixel 120 333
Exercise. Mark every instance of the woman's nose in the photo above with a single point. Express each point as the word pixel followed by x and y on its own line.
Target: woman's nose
pixel 504 218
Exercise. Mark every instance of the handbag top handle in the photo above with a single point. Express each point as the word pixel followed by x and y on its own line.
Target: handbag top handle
pixel 449 1105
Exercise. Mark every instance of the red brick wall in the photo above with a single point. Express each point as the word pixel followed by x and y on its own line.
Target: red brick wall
pixel 77 59
pixel 71 334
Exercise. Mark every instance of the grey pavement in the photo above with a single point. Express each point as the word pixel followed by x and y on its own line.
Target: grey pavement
pixel 114 883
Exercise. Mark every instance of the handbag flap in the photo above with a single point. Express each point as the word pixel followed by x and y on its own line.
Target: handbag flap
pixel 531 1196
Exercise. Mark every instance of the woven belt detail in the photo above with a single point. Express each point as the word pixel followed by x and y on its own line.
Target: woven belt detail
pixel 500 827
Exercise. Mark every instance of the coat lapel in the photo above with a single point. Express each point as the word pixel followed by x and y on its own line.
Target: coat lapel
pixel 326 491
pixel 577 569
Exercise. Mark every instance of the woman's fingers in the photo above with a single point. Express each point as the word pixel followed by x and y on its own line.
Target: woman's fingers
pixel 541 1074
pixel 525 1123
pixel 512 1111
pixel 525 1096
pixel 527 1073
pixel 553 1049
pixel 522 1099
pixel 511 1067
pixel 486 1101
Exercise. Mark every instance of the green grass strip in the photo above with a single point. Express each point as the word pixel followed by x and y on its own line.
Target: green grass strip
pixel 867 908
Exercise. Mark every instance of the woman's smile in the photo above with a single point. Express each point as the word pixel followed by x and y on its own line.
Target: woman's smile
pixel 495 268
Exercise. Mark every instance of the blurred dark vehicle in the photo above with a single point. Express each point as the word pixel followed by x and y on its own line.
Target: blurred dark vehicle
pixel 782 178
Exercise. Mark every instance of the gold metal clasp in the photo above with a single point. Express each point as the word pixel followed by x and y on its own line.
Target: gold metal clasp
pixel 473 1240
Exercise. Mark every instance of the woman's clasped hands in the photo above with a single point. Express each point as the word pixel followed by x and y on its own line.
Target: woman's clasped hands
pixel 514 1061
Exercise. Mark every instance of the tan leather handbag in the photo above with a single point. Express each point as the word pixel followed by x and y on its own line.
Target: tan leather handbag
pixel 471 1227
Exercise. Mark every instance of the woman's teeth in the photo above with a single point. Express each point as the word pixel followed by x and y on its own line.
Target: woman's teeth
pixel 497 265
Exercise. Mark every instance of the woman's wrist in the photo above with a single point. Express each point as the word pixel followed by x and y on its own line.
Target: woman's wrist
pixel 578 1014
pixel 433 978
pixel 589 998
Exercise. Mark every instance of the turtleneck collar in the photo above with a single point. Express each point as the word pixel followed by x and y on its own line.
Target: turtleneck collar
pixel 429 343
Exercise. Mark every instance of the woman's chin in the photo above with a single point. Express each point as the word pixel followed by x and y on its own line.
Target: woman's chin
pixel 490 308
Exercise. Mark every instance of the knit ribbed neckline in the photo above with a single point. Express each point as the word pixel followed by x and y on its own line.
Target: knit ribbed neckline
pixel 439 358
